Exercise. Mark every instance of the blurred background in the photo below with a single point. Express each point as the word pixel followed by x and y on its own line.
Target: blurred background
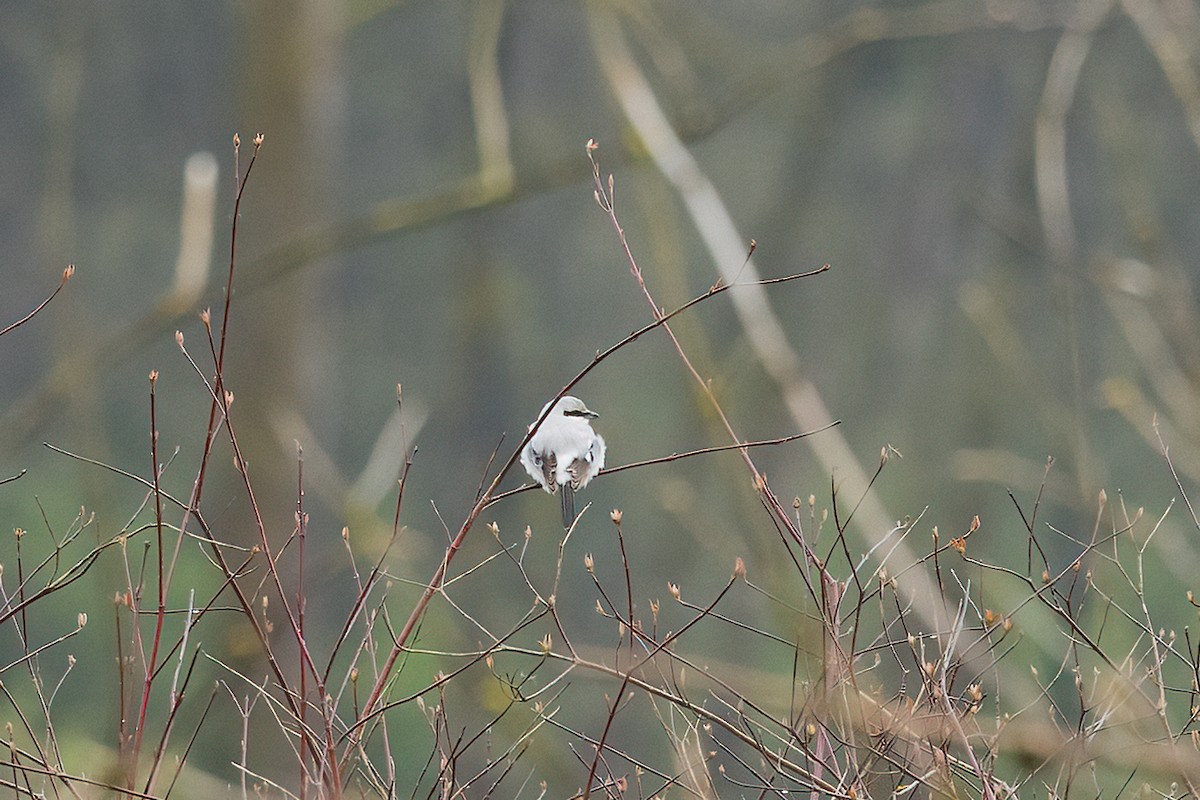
pixel 1005 192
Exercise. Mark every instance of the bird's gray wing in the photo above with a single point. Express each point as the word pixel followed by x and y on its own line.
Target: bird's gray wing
pixel 549 468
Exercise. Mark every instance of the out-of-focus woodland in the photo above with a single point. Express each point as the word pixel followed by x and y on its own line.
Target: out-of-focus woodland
pixel 993 546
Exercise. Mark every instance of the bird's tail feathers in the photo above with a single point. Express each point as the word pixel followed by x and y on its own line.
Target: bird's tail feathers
pixel 568 504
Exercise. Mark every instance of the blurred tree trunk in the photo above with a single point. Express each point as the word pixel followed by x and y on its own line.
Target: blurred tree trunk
pixel 291 88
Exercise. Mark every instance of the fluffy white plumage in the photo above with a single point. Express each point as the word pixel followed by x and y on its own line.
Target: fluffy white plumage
pixel 565 453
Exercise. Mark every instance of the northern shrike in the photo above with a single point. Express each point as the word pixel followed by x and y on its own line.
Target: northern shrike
pixel 565 453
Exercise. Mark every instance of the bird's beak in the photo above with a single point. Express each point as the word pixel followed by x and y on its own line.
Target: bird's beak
pixel 590 414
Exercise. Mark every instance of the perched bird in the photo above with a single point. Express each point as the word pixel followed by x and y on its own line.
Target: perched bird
pixel 565 453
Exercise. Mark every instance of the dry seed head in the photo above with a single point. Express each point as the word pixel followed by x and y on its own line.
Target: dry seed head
pixel 258 139
pixel 546 643
pixel 615 515
pixel 739 568
pixel 81 620
pixel 589 563
pixel 673 589
pixel 494 528
pixel 345 534
pixel 179 338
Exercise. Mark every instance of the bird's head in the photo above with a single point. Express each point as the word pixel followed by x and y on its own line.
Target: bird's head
pixel 570 406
